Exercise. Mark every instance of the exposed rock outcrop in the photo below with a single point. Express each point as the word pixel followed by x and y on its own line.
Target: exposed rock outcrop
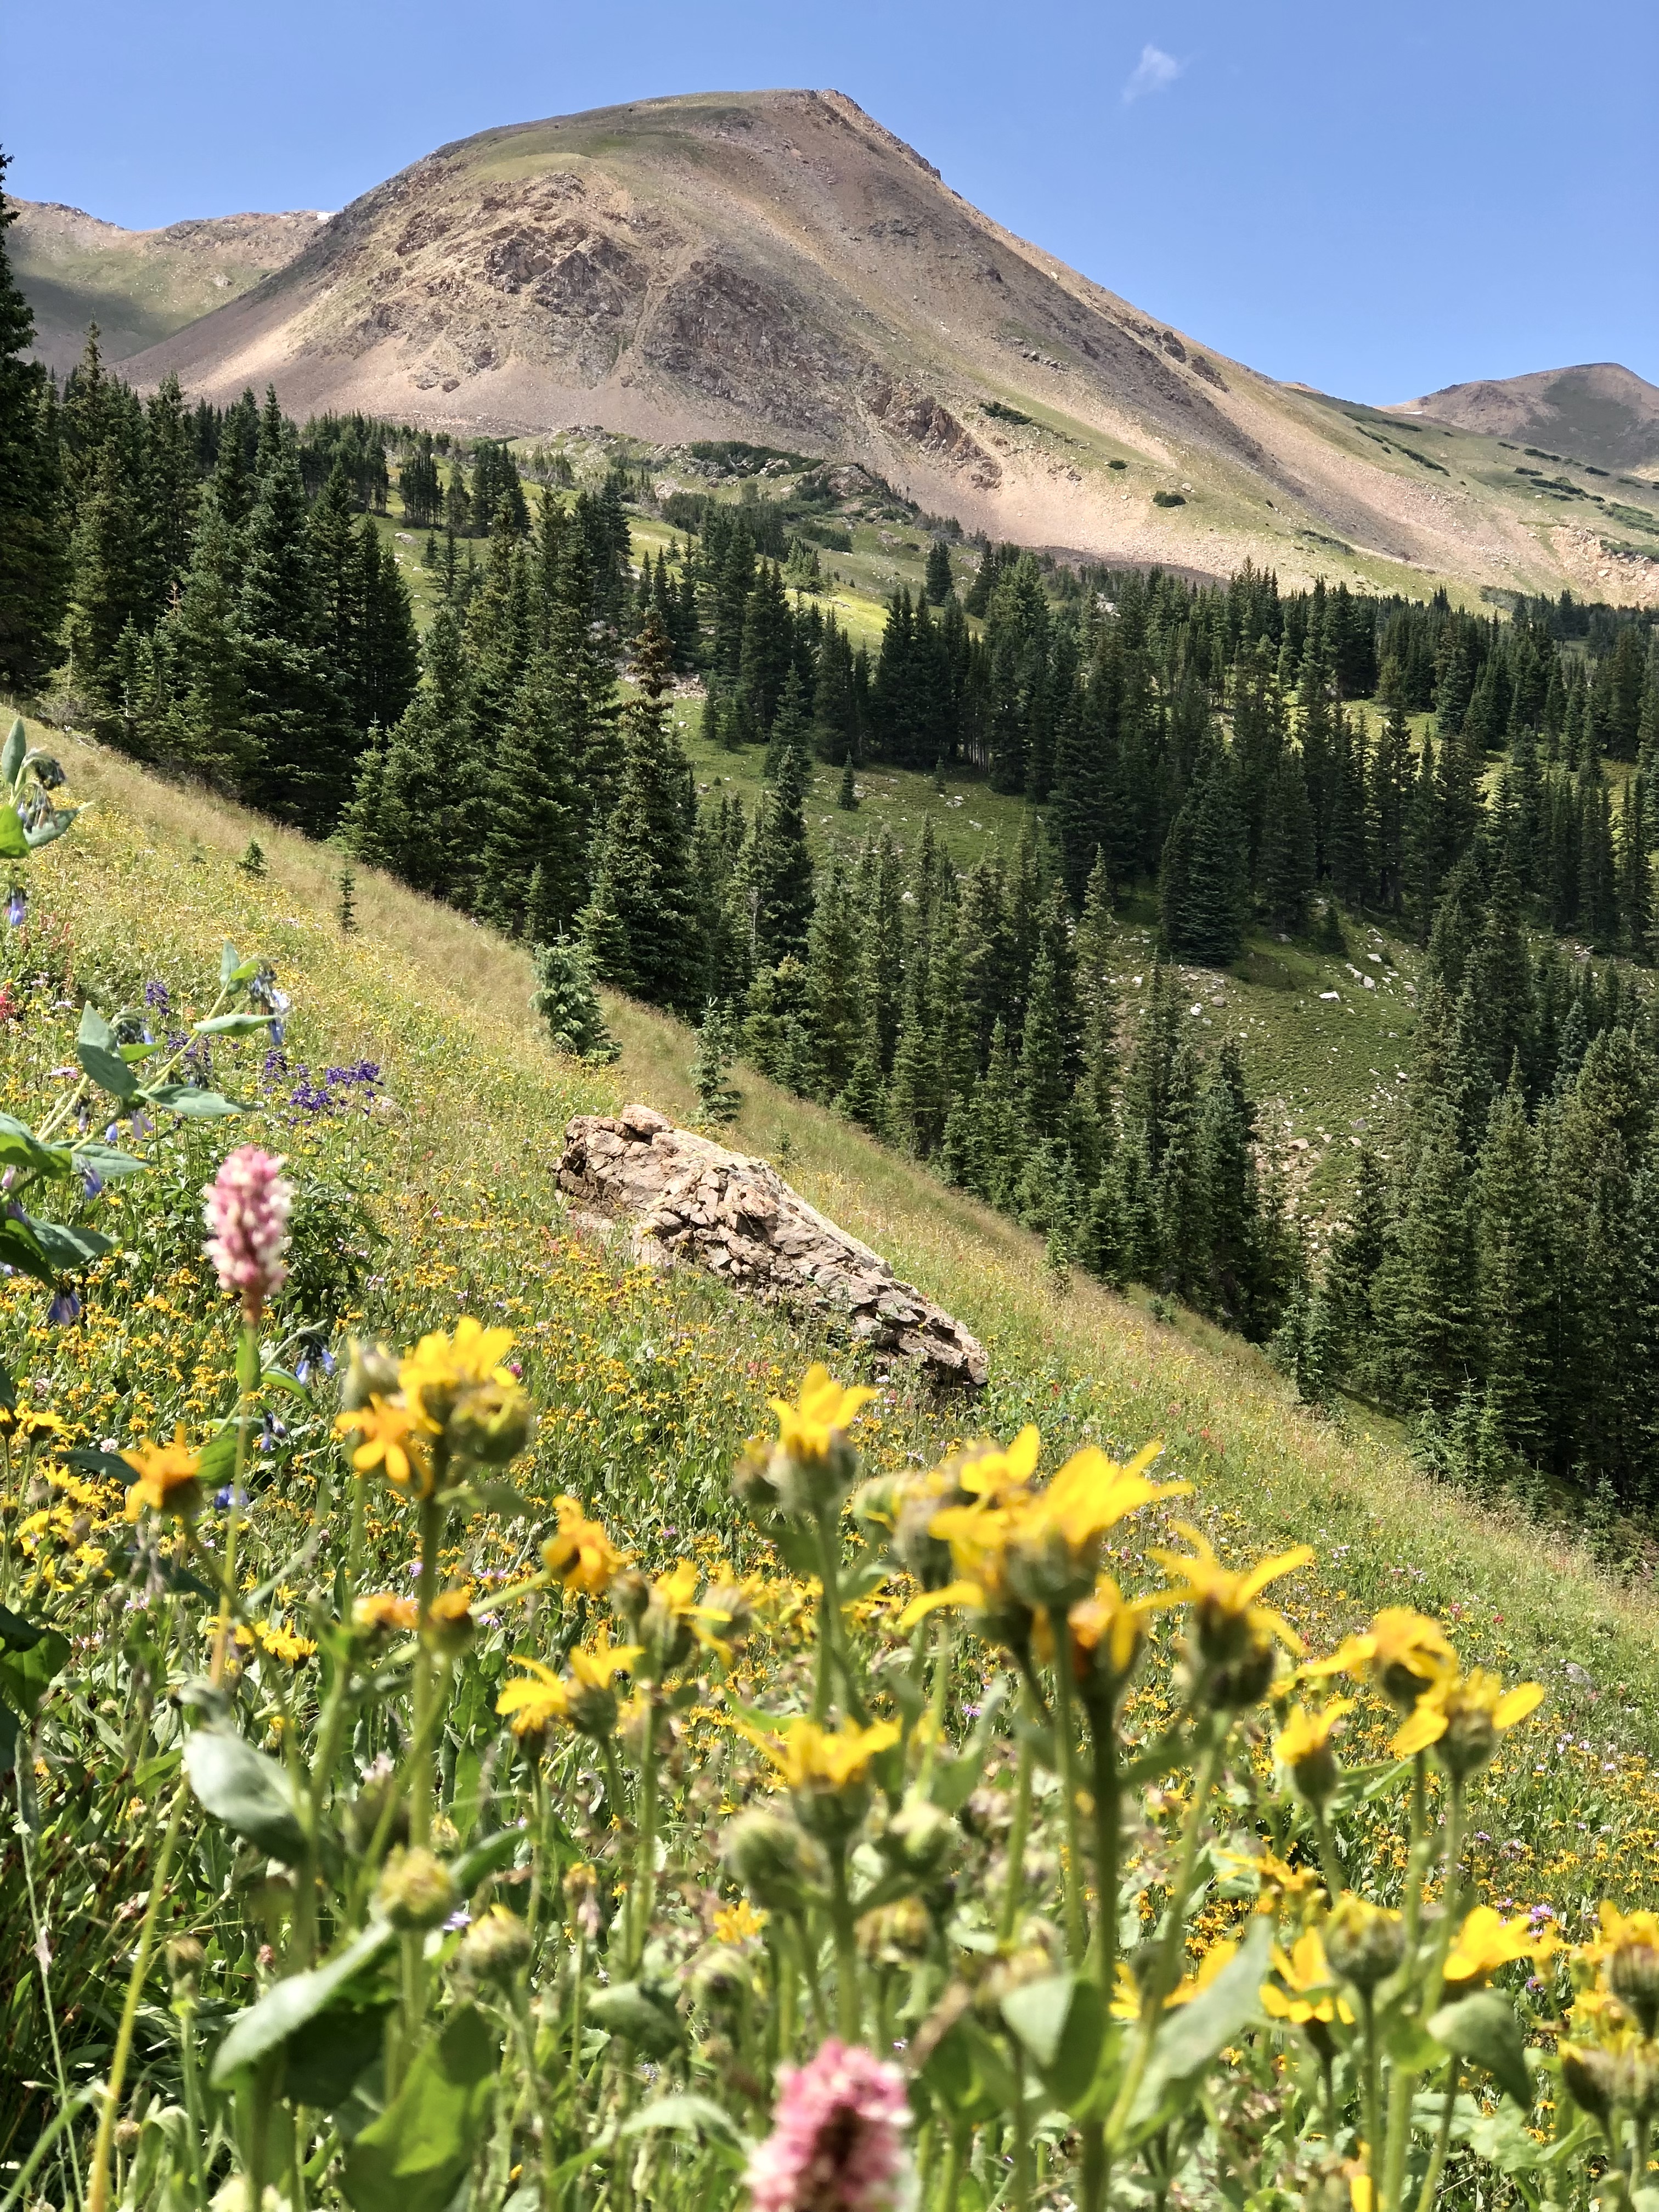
pixel 689 1199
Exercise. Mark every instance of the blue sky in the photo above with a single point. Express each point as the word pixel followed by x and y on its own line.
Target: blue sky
pixel 1375 201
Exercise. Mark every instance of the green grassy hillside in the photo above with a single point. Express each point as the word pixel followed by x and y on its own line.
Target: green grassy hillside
pixel 650 1383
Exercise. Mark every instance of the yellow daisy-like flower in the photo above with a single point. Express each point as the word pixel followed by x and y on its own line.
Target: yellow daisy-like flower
pixel 1402 1652
pixel 388 1439
pixel 993 1475
pixel 1463 1716
pixel 1088 1497
pixel 1306 1990
pixel 530 1706
pixel 738 1923
pixel 1127 2000
pixel 281 1643
pixel 167 1478
pixel 822 1411
pixel 812 1757
pixel 1303 1748
pixel 1107 1632
pixel 1222 1597
pixel 382 1612
pixel 580 1556
pixel 1487 1942
pixel 441 1366
pixel 594 1668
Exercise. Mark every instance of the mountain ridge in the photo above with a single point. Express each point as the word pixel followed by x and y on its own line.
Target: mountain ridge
pixel 1605 412
pixel 780 267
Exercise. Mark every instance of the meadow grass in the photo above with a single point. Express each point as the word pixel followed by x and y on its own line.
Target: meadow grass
pixel 650 1383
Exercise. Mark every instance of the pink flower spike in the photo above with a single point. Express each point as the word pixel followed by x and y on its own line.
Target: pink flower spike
pixel 837 2139
pixel 246 1210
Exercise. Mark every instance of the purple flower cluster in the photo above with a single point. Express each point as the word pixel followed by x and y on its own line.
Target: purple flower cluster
pixel 837 2139
pixel 333 1090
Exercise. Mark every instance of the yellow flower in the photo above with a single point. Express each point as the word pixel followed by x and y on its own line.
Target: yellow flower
pixel 1464 1715
pixel 281 1643
pixel 441 1367
pixel 381 1613
pixel 389 1440
pixel 594 1668
pixel 1127 1999
pixel 1222 1598
pixel 1402 1652
pixel 167 1478
pixel 1306 1989
pixel 1487 1942
pixel 1304 1748
pixel 530 1706
pixel 738 1923
pixel 580 1556
pixel 812 1757
pixel 1108 1631
pixel 822 1411
pixel 1038 1548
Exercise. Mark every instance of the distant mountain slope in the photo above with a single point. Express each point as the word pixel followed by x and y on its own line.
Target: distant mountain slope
pixel 138 286
pixel 777 267
pixel 1598 412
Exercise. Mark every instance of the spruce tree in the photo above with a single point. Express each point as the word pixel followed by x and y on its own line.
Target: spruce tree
pixel 535 817
pixel 718 1098
pixel 1287 848
pixel 641 919
pixel 34 550
pixel 1513 1259
pixel 938 583
pixel 565 1000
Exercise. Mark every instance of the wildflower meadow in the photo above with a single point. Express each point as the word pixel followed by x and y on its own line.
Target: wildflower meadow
pixel 488 1727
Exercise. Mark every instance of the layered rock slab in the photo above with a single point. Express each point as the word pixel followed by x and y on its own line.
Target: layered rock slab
pixel 689 1199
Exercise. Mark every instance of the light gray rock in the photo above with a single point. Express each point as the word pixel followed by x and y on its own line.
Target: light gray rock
pixel 689 1201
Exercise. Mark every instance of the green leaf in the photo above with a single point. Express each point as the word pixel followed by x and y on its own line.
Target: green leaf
pixel 14 845
pixel 1191 2035
pixel 968 2075
pixel 412 2157
pixel 227 965
pixel 20 1248
pixel 1484 2028
pixel 294 2004
pixel 338 2045
pixel 799 1548
pixel 21 1148
pixel 628 2011
pixel 1061 2021
pixel 683 2110
pixel 246 1791
pixel 111 1464
pixel 51 825
pixel 16 746
pixel 98 1052
pixel 8 1388
pixel 232 1026
pixel 104 1161
pixel 67 1247
pixel 195 1105
pixel 488 1858
pixel 30 1657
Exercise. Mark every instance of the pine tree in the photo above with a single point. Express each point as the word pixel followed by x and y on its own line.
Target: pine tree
pixel 535 818
pixel 1357 1252
pixel 718 1099
pixel 778 864
pixel 938 583
pixel 1204 909
pixel 640 921
pixel 1427 1282
pixel 104 596
pixel 566 1001
pixel 1235 1289
pixel 1044 1080
pixel 1287 848
pixel 34 550
pixel 304 761
pixel 1513 1257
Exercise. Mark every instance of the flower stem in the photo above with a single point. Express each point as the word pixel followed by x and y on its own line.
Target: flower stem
pixel 642 1896
pixel 1430 2190
pixel 248 1380
pixel 848 2009
pixel 1016 1836
pixel 98 2195
pixel 1065 1748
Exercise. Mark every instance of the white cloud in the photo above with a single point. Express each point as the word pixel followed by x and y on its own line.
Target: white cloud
pixel 1156 72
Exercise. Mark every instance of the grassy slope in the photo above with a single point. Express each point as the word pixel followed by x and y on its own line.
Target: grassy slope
pixel 443 1004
